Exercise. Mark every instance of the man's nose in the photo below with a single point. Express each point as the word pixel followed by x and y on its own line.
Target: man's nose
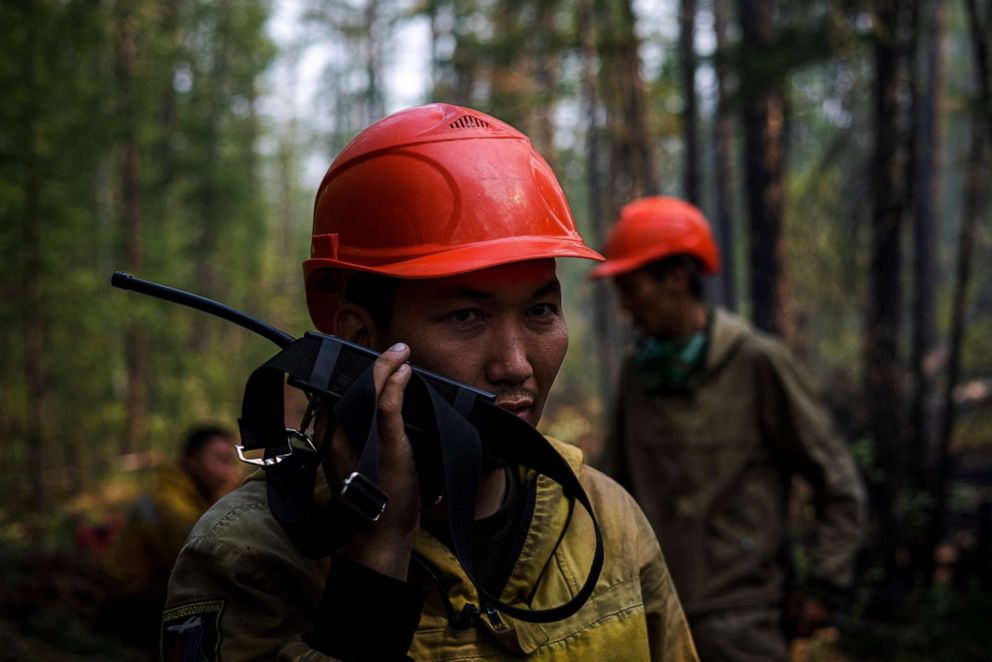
pixel 508 361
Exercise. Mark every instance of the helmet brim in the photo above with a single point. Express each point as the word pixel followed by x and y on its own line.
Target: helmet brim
pixel 456 261
pixel 618 267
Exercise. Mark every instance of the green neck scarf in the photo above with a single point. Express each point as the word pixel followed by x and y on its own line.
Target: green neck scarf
pixel 671 363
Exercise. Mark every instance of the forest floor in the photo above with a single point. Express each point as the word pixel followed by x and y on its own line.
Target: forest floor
pixel 52 594
pixel 50 609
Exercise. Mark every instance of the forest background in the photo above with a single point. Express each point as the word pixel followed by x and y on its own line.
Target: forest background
pixel 841 149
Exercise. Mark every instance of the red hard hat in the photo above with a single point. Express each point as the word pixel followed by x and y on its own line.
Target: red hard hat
pixel 653 228
pixel 435 191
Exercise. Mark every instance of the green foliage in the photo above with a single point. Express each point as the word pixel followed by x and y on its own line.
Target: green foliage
pixel 205 218
pixel 52 139
pixel 225 209
pixel 826 233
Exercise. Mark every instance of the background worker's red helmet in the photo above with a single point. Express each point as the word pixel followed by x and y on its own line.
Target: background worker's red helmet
pixel 435 191
pixel 653 228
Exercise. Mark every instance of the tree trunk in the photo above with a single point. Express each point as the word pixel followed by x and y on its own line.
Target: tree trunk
pixel 631 163
pixel 287 177
pixel 606 332
pixel 882 375
pixel 979 30
pixel 978 173
pixel 723 135
pixel 925 175
pixel 134 339
pixel 167 100
pixel 208 195
pixel 431 10
pixel 764 156
pixel 464 60
pixel 509 62
pixel 31 284
pixel 523 72
pixel 374 101
pixel 977 176
pixel 628 170
pixel 546 80
pixel 687 59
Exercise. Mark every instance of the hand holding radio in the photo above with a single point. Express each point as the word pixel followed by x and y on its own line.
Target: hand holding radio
pixel 385 545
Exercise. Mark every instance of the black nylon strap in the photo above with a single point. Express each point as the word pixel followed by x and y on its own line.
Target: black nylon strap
pixel 514 442
pixel 324 364
pixel 262 409
pixel 315 530
pixel 517 443
pixel 359 420
pixel 456 432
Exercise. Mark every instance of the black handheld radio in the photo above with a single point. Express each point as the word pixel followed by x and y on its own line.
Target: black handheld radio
pixel 455 431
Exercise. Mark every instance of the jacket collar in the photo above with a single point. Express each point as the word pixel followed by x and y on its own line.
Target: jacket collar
pixel 549 519
pixel 727 333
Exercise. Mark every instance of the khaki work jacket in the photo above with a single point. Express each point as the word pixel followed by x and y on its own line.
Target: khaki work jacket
pixel 239 571
pixel 711 465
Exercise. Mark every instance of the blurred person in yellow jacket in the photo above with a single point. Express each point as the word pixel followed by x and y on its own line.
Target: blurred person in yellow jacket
pixel 158 523
pixel 712 421
pixel 435 236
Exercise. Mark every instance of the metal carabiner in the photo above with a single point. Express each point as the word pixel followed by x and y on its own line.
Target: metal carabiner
pixel 291 437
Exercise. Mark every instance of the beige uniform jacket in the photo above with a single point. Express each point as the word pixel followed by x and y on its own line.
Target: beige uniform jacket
pixel 240 573
pixel 711 466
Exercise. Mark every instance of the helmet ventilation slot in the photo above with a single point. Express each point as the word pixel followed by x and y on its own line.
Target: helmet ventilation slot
pixel 470 122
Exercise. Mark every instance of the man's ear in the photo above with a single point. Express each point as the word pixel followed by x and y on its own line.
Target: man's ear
pixel 354 324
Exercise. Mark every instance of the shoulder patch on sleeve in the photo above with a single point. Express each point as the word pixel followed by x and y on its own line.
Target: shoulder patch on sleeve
pixel 191 633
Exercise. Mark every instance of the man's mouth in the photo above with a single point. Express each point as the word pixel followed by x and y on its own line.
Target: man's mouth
pixel 520 407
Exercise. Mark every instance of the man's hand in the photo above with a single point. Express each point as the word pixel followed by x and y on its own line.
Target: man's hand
pixel 385 545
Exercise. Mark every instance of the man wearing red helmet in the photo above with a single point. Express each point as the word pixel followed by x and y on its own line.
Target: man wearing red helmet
pixel 434 242
pixel 712 421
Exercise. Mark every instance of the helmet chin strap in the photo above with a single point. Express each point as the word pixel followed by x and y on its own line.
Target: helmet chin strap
pixel 456 433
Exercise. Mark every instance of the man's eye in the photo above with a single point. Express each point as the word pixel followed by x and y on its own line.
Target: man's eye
pixel 543 310
pixel 466 315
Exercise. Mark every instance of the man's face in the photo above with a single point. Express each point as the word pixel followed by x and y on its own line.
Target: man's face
pixel 213 467
pixel 499 329
pixel 655 306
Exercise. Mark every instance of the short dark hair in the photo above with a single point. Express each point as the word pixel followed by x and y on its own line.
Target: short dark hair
pixel 373 292
pixel 660 269
pixel 201 435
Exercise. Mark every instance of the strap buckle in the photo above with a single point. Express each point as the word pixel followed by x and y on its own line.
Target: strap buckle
pixel 295 440
pixel 363 496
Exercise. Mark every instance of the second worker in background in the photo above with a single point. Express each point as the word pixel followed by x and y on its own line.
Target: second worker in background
pixel 712 420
